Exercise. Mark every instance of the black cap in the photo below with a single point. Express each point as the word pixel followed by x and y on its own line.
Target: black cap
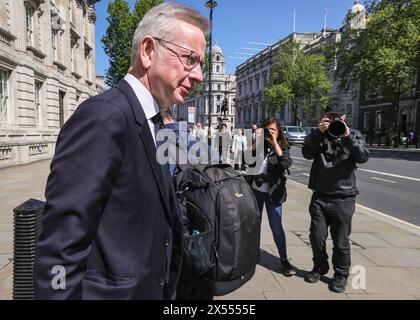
pixel 333 109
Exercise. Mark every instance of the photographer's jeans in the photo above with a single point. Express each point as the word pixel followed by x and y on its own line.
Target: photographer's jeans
pixel 274 212
pixel 335 212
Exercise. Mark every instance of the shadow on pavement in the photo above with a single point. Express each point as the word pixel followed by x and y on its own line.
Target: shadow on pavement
pixel 272 263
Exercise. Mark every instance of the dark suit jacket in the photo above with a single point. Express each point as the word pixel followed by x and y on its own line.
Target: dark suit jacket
pixel 108 220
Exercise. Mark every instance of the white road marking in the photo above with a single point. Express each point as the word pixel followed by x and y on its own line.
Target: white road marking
pixel 374 211
pixel 391 175
pixel 299 162
pixel 382 180
pixel 388 216
pixel 377 172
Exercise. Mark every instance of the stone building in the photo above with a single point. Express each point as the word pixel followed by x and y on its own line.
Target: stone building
pixel 347 99
pixel 195 109
pixel 253 76
pixel 47 67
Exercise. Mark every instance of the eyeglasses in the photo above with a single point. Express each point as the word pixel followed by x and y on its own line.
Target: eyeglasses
pixel 190 61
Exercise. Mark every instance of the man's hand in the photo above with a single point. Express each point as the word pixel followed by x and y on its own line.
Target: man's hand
pixel 324 124
pixel 347 133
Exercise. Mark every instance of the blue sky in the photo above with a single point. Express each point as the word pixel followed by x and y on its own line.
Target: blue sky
pixel 238 22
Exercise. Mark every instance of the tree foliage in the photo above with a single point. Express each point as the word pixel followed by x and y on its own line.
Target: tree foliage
pixel 384 56
pixel 117 41
pixel 299 79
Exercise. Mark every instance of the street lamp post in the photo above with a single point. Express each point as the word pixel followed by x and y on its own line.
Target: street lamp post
pixel 210 4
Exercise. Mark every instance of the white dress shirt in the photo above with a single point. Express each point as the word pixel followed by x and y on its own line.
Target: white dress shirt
pixel 148 103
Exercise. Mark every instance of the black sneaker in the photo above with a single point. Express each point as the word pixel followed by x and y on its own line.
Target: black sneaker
pixel 338 283
pixel 314 275
pixel 287 269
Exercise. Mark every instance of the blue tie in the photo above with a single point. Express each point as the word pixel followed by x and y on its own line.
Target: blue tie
pixel 158 124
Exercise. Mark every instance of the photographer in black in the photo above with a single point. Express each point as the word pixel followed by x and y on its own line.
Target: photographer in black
pixel 335 149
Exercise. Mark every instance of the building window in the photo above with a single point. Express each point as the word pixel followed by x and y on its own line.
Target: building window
pixel 257 83
pixel 217 69
pixel 219 87
pixel 218 108
pixel 366 120
pixel 265 79
pixel 61 96
pixel 29 25
pixel 250 85
pixel 4 95
pixel 84 23
pixel 73 46
pixel 38 110
pixel 54 38
pixel 88 64
pixel 378 120
pixel 240 89
pixel 217 58
pixel 218 97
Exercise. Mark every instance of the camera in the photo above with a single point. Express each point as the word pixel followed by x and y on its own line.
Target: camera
pixel 260 179
pixel 337 128
pixel 267 133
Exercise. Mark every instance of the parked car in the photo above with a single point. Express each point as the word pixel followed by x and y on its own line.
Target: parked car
pixel 294 134
pixel 308 130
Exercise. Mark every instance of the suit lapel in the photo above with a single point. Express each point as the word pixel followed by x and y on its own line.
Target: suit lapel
pixel 147 139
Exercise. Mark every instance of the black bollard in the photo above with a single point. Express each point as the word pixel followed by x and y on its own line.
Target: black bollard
pixel 27 227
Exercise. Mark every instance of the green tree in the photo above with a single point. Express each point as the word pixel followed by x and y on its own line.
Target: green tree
pixel 384 56
pixel 119 35
pixel 117 40
pixel 299 79
pixel 140 9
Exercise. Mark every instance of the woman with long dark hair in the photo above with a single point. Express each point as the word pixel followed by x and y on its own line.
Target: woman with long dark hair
pixel 269 185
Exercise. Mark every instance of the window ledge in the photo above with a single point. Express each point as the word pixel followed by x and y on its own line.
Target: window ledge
pixel 6 36
pixel 59 65
pixel 76 75
pixel 37 53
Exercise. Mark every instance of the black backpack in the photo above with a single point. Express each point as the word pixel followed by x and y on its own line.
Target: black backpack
pixel 222 225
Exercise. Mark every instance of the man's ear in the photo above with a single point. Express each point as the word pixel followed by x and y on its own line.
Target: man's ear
pixel 148 51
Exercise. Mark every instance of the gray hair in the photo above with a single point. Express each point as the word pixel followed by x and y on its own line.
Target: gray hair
pixel 162 20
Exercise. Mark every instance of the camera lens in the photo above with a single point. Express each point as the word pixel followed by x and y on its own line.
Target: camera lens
pixel 337 128
pixel 266 133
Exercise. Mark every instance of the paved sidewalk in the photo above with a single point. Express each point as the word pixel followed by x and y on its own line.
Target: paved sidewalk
pixel 388 250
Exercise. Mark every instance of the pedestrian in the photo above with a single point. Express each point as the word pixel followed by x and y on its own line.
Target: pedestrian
pixel 200 133
pixel 269 185
pixel 411 136
pixel 251 135
pixel 223 139
pixel 111 219
pixel 333 181
pixel 239 146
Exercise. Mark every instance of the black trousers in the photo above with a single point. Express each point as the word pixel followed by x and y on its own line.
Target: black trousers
pixel 335 212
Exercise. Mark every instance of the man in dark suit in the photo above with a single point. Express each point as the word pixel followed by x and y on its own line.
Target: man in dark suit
pixel 111 227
